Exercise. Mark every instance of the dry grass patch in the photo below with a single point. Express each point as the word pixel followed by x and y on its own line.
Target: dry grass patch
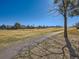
pixel 9 36
pixel 73 32
pixel 51 48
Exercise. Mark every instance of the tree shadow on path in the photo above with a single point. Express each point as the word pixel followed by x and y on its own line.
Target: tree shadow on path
pixel 72 52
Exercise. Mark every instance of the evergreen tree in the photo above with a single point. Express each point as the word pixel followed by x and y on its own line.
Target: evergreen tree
pixel 3 26
pixel 17 25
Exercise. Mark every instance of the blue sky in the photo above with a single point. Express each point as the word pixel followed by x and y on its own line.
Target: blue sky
pixel 32 12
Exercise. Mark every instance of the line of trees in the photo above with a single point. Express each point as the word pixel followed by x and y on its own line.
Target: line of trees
pixel 19 26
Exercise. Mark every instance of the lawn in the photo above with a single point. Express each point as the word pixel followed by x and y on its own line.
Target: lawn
pixel 9 36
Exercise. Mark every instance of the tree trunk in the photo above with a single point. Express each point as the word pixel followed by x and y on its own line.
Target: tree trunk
pixel 65 18
pixel 68 44
pixel 65 25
